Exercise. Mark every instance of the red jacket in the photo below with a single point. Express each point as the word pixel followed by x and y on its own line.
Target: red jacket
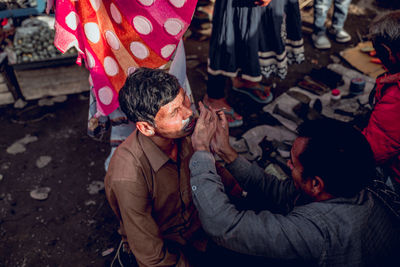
pixel 383 129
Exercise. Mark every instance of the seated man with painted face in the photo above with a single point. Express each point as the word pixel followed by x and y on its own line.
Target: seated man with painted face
pixel 147 183
pixel 330 213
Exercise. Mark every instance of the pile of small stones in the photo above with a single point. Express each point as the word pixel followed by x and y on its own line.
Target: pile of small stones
pixel 37 46
pixel 16 4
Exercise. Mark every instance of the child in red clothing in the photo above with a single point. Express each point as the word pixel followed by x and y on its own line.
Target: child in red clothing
pixel 383 129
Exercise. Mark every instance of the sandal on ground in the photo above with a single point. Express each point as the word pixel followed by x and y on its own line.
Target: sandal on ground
pixel 232 121
pixel 230 117
pixel 249 91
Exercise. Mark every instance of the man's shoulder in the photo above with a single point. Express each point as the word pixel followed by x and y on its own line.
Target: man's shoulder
pixel 363 205
pixel 336 206
pixel 389 85
pixel 132 143
pixel 127 160
pixel 129 150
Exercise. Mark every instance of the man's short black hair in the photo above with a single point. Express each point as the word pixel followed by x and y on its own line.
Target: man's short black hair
pixel 145 91
pixel 385 30
pixel 339 154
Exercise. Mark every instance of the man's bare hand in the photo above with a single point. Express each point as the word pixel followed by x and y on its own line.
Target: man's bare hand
pixel 205 129
pixel 262 2
pixel 220 143
pixel 221 137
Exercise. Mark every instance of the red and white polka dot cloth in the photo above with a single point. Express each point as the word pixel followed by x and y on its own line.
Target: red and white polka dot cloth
pixel 117 36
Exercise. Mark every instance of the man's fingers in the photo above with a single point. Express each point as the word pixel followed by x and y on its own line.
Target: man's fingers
pixel 214 119
pixel 207 120
pixel 223 119
pixel 213 127
pixel 203 112
pixel 220 112
pixel 201 106
pixel 214 116
pixel 206 113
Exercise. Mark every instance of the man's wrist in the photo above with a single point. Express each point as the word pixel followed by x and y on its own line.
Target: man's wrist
pixel 201 148
pixel 228 155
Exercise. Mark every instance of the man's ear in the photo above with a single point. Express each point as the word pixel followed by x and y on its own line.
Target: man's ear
pixel 398 56
pixel 391 57
pixel 317 186
pixel 145 128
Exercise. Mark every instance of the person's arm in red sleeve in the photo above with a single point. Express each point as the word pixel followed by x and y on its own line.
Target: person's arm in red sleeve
pixel 383 129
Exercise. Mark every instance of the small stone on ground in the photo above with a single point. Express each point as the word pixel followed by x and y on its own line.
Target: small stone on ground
pixel 40 193
pixel 42 161
pixel 20 104
pixel 60 98
pixel 95 187
pixel 19 145
pixel 45 102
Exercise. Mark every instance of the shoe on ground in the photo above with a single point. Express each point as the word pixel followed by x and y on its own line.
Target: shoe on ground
pixel 341 35
pixel 321 41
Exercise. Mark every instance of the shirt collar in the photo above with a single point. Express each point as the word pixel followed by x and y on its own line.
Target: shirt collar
pixel 390 78
pixel 156 156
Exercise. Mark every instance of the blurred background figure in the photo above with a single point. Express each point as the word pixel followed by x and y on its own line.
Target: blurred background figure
pixel 383 129
pixel 321 7
pixel 114 38
pixel 251 40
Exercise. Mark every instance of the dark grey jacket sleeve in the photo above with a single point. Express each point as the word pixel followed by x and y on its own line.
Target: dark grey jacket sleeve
pixel 263 233
pixel 253 179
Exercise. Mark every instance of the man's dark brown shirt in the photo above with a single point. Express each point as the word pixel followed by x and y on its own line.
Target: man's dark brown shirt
pixel 151 196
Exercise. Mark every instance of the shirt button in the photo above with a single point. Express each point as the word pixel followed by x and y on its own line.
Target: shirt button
pixel 194 188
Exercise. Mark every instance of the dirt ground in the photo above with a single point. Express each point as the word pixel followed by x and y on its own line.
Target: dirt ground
pixel 74 225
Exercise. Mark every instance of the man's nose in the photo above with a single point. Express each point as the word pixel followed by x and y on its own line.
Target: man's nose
pixel 188 112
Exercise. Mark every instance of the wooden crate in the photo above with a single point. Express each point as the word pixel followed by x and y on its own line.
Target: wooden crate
pixel 6 94
pixel 6 97
pixel 53 81
pixel 3 85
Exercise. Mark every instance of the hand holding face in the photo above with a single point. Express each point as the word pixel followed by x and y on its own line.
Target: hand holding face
pixel 221 137
pixel 205 129
pixel 220 143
